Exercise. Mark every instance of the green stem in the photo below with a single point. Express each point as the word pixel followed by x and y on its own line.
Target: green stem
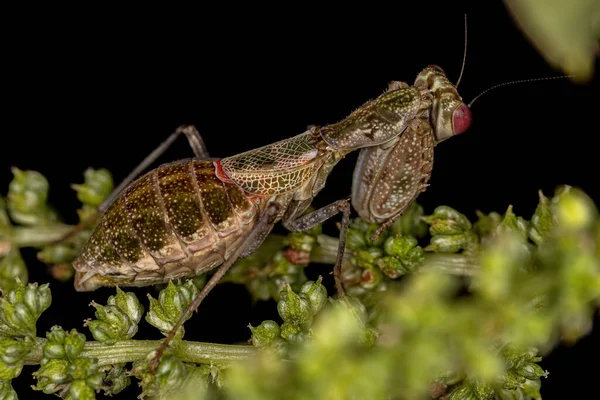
pixel 125 351
pixel 448 263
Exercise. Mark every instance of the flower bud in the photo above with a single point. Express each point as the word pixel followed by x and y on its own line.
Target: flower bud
pixel 56 335
pixel 294 308
pixel 447 221
pixel 370 278
pixel 117 379
pixel 410 222
pixel 170 374
pixel 97 186
pixel 355 239
pixel 79 390
pixel 6 391
pixel 86 369
pixel 486 224
pixel 12 267
pixel 542 221
pixel 292 332
pixel 119 319
pixel 52 375
pixel 12 353
pixel 451 243
pixel 391 267
pixel 265 334
pixel 128 303
pixel 399 246
pixel 366 258
pixel 74 342
pixel 27 196
pixel 514 223
pixel 300 241
pixel 172 302
pixel 20 309
pixel 316 294
pixel 111 324
pixel 574 210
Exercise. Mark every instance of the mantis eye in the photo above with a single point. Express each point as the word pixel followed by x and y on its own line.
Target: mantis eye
pixel 461 119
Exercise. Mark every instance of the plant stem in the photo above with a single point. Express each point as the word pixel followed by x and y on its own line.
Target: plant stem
pixel 130 350
pixel 448 263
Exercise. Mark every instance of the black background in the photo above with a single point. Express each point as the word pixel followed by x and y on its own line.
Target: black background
pixel 104 88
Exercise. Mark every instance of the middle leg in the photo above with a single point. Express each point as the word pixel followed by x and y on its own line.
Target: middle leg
pixel 319 216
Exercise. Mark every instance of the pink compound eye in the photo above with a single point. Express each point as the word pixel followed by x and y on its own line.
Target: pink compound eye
pixel 461 119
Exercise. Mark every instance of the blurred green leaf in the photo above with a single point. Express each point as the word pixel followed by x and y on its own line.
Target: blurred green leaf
pixel 566 33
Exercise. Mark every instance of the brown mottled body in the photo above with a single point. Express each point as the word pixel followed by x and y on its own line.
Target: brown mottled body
pixel 176 221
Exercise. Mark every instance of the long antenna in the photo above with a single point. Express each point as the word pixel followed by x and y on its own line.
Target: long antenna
pixel 462 68
pixel 518 81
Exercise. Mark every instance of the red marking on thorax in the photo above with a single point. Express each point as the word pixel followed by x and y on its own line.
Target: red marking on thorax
pixel 220 173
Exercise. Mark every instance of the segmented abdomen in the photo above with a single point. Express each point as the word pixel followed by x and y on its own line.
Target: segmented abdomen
pixel 162 224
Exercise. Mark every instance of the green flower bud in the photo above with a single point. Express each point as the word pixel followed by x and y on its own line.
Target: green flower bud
pixel 74 342
pixel 514 223
pixel 27 196
pixel 472 391
pixel 300 241
pixel 118 320
pixel 292 332
pixel 79 390
pixel 316 294
pixel 20 309
pixel 12 353
pixel 511 380
pixel 111 324
pixel 170 374
pixel 6 391
pixel 12 267
pixel 294 308
pixel 129 304
pixel 56 335
pixel 532 388
pixel 410 222
pixel 52 375
pixel 486 224
pixel 447 221
pixel 54 350
pixel 117 379
pixel 452 243
pixel 356 239
pixel 542 221
pixel 399 246
pixel 391 266
pixel 531 371
pixel 86 369
pixel 97 186
pixel 371 278
pixel 366 258
pixel 265 334
pixel 172 302
pixel 574 210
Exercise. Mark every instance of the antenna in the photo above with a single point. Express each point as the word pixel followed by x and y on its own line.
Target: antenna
pixel 462 68
pixel 515 82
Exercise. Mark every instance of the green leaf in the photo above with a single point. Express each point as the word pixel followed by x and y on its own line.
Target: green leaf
pixel 566 33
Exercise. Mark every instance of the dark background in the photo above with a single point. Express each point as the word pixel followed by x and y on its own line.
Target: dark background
pixel 104 89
